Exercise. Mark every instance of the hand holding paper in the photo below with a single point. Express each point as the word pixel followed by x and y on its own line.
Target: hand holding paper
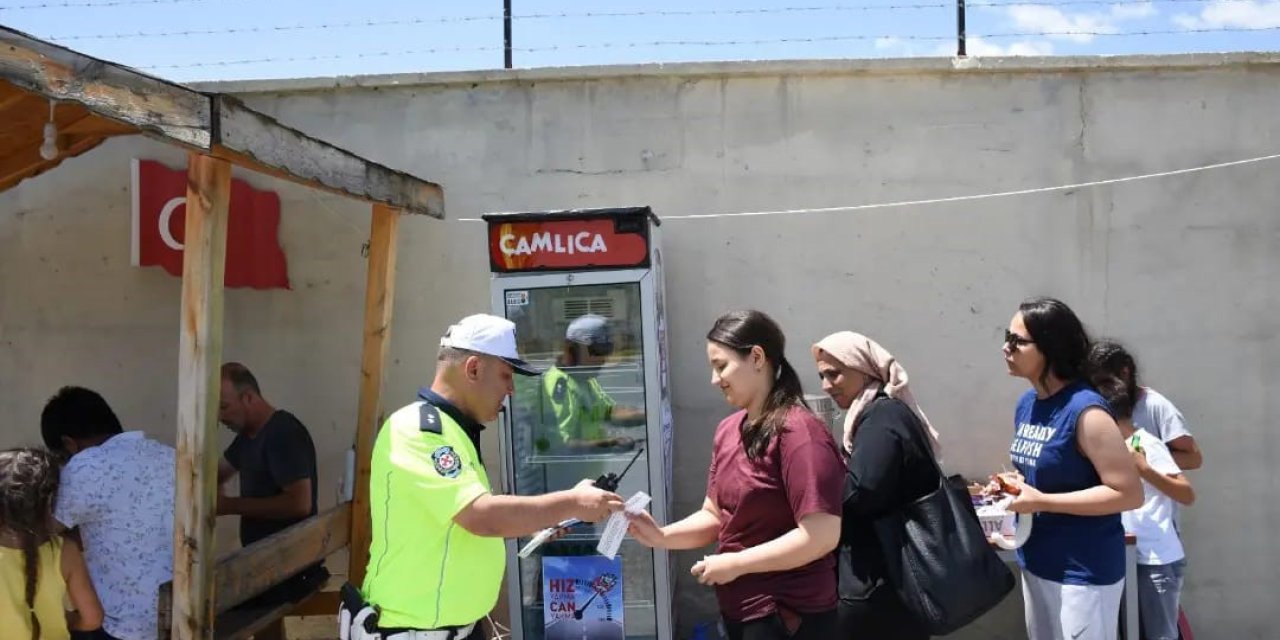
pixel 616 528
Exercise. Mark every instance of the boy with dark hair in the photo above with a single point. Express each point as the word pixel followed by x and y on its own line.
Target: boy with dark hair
pixel 76 418
pixel 117 489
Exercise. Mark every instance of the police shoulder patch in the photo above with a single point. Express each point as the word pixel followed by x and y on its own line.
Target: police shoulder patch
pixel 446 461
pixel 429 419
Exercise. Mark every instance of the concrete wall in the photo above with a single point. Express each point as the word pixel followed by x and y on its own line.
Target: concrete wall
pixel 1182 268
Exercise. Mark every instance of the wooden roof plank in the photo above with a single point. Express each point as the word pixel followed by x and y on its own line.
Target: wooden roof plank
pixel 112 90
pixel 247 136
pixel 27 162
pixel 211 124
pixel 11 96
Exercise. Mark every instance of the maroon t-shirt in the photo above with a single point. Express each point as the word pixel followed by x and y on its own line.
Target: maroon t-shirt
pixel 800 473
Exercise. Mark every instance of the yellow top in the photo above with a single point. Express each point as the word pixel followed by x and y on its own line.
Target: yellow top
pixel 15 616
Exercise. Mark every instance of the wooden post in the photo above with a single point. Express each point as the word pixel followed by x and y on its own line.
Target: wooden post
pixel 379 297
pixel 199 382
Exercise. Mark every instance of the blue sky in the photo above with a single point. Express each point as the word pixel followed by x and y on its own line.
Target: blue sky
pixel 318 38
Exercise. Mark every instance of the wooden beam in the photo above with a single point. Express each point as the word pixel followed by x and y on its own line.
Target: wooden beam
pixel 199 382
pixel 248 571
pixel 11 96
pixel 25 163
pixel 379 298
pixel 324 603
pixel 158 107
pixel 72 121
pixel 217 125
pixel 266 623
pixel 97 126
pixel 164 611
pixel 259 142
pixel 251 570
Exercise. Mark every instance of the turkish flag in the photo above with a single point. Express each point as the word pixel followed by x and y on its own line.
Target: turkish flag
pixel 254 256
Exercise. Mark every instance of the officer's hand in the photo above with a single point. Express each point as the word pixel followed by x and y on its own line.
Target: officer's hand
pixel 592 504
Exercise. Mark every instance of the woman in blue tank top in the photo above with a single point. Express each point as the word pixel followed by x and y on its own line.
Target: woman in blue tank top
pixel 1078 477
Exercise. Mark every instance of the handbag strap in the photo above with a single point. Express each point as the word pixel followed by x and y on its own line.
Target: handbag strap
pixel 917 429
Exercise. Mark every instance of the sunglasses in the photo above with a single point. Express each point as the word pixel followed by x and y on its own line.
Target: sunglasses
pixel 1016 341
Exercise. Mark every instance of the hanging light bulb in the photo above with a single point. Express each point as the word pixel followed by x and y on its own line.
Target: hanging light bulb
pixel 49 150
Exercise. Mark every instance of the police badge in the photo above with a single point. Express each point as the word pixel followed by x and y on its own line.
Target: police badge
pixel 447 462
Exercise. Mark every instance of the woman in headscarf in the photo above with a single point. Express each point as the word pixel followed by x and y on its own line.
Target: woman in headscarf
pixel 888 443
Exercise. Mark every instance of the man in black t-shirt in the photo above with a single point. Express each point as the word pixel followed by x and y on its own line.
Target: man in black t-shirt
pixel 276 461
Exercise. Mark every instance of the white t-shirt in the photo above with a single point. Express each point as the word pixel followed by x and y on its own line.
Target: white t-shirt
pixel 1154 414
pixel 120 494
pixel 1152 523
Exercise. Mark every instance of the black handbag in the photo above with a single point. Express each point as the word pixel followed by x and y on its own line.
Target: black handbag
pixel 938 560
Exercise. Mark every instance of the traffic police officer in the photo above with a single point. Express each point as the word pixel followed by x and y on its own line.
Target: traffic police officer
pixel 436 558
pixel 577 404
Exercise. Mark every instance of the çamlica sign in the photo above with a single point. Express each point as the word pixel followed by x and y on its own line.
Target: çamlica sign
pixel 561 244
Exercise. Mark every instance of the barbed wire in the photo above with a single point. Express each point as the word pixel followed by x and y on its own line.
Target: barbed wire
pixel 532 16
pixel 607 14
pixel 81 5
pixel 602 45
pixel 702 43
pixel 360 24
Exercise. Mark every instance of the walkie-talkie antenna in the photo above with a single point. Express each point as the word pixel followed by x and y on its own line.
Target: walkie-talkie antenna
pixel 633 461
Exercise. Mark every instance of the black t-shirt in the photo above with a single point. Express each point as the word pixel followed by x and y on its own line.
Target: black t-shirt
pixel 890 466
pixel 281 453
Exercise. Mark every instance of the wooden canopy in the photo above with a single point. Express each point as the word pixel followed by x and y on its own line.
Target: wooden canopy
pixel 93 100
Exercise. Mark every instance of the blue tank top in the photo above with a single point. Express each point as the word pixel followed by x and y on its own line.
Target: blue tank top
pixel 1079 550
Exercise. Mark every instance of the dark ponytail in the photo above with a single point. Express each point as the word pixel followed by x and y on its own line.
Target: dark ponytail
pixel 739 331
pixel 28 486
pixel 1108 358
pixel 1116 393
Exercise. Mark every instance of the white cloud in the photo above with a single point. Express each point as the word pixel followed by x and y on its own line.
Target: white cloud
pixel 1243 14
pixel 1046 19
pixel 1076 27
pixel 981 47
pixel 1133 11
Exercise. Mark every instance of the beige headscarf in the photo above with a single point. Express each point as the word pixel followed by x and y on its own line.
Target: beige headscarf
pixel 863 354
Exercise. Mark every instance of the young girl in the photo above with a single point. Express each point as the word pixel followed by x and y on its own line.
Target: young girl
pixel 37 568
pixel 773 500
pixel 1161 559
pixel 1152 412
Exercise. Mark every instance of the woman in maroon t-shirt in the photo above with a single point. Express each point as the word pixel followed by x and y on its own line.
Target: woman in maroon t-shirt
pixel 773 494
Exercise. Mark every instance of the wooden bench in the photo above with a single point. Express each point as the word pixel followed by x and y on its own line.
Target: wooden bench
pixel 250 571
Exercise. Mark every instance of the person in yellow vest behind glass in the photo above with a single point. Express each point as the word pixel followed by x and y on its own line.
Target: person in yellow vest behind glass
pixel 579 406
pixel 436 557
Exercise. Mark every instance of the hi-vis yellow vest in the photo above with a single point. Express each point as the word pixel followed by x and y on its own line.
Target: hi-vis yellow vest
pixel 426 571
